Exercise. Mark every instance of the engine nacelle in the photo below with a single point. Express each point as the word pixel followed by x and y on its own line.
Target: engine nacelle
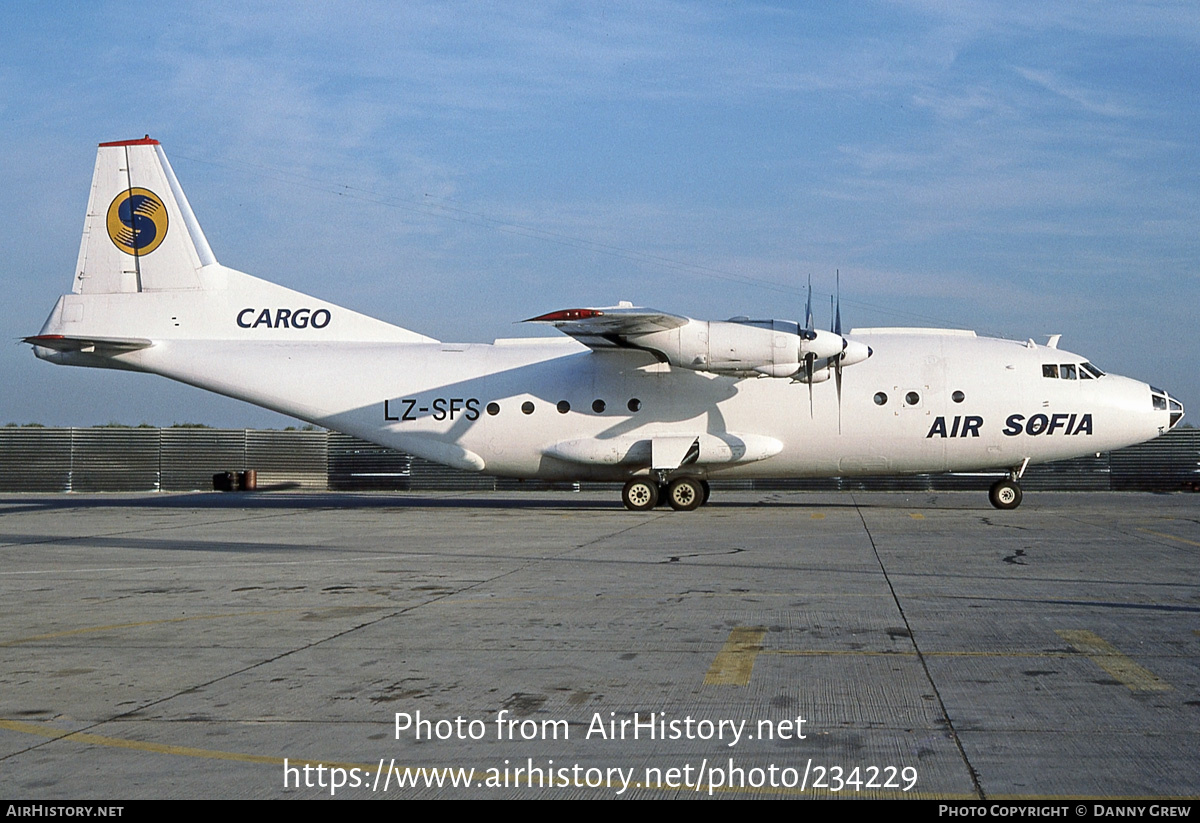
pixel 820 375
pixel 773 348
pixel 855 352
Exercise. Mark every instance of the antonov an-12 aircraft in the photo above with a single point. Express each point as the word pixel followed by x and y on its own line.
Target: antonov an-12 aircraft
pixel 661 402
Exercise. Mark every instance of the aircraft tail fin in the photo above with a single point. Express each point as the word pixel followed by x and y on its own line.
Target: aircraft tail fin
pixel 140 234
pixel 146 273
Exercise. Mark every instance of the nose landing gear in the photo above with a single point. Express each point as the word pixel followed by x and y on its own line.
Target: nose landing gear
pixel 1005 494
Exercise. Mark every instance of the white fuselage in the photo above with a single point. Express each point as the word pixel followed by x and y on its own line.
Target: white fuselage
pixel 432 400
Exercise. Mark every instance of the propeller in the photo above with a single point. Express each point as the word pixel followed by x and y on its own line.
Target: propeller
pixel 831 349
pixel 809 333
pixel 837 361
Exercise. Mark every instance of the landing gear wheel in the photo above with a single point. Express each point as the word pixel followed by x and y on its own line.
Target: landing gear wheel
pixel 707 491
pixel 1005 494
pixel 640 494
pixel 685 494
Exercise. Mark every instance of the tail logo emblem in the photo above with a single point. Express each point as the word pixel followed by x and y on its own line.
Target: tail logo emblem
pixel 137 221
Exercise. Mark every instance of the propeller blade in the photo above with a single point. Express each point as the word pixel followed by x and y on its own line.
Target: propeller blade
pixel 808 318
pixel 837 374
pixel 808 372
pixel 837 326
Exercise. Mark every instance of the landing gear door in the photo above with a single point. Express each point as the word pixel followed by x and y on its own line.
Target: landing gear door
pixel 669 453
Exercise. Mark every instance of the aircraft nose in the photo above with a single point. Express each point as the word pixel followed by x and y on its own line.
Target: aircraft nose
pixel 1165 402
pixel 1176 409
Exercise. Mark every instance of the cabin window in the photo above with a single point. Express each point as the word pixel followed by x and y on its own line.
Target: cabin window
pixel 527 407
pixel 880 398
pixel 912 398
pixel 598 406
pixel 958 397
pixel 563 407
pixel 634 404
pixel 493 409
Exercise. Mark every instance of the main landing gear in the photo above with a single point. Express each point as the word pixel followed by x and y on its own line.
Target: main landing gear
pixel 682 494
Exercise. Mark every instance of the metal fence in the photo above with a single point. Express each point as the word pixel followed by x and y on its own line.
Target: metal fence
pixel 115 459
pixel 184 459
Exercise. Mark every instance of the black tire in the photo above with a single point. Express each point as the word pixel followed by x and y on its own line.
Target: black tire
pixel 1005 494
pixel 640 494
pixel 685 494
pixel 707 492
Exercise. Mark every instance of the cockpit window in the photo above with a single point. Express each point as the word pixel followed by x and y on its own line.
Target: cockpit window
pixel 1071 371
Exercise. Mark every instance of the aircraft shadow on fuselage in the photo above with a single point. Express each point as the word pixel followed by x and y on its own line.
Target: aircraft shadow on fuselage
pixel 680 395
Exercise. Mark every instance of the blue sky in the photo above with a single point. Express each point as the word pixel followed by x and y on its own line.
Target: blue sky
pixel 1019 169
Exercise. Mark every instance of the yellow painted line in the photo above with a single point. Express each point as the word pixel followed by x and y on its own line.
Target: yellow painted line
pixel 734 664
pixel 119 626
pixel 818 516
pixel 901 653
pixel 813 595
pixel 1170 537
pixel 916 516
pixel 160 748
pixel 1108 657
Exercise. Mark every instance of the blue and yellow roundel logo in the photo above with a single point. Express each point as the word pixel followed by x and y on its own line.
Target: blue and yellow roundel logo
pixel 137 221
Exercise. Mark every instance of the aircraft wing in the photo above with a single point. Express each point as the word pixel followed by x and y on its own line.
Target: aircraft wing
pixel 608 328
pixel 98 345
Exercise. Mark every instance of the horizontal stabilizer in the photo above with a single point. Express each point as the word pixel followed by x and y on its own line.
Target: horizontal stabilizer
pixel 89 345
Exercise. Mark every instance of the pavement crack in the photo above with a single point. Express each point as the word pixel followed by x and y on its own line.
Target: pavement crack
pixel 921 657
